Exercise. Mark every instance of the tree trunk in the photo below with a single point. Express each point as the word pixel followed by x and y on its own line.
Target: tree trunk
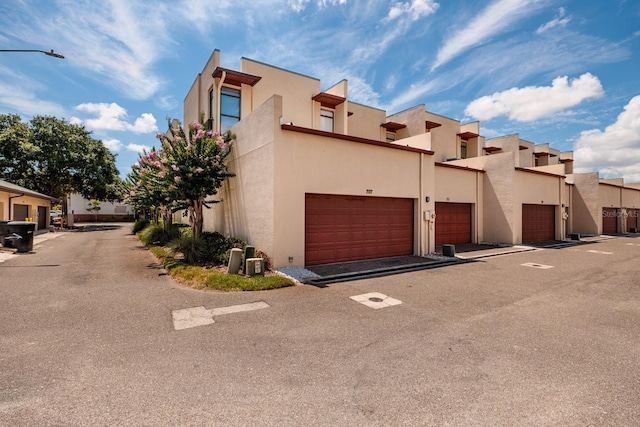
pixel 167 219
pixel 195 217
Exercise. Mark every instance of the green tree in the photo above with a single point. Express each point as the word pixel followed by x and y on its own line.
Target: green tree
pixel 54 157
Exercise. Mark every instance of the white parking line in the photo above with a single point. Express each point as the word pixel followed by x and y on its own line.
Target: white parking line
pixel 376 300
pixel 200 316
pixel 600 252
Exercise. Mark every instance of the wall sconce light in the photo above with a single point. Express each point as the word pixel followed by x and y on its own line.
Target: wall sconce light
pixel 427 199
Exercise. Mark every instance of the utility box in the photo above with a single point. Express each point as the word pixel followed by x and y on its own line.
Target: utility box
pixel 449 250
pixel 255 267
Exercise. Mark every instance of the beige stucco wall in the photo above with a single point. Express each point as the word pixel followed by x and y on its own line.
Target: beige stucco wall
pixel 248 198
pixel 585 208
pixel 197 99
pixel 365 122
pixel 631 198
pixel 444 139
pixel 295 89
pixel 414 118
pixel 609 196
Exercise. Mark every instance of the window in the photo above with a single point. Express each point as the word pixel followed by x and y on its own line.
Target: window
pixel 391 136
pixel 326 120
pixel 212 108
pixel 463 150
pixel 229 108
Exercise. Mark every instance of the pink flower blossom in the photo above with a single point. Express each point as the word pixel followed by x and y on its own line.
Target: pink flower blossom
pixel 200 134
pixel 177 179
pixel 199 169
pixel 189 147
pixel 159 135
pixel 218 158
pixel 195 126
pixel 162 174
pixel 175 168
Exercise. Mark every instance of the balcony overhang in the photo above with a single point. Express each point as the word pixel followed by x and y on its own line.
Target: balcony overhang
pixel 491 149
pixel 235 78
pixel 328 100
pixel 431 125
pixel 393 126
pixel 468 135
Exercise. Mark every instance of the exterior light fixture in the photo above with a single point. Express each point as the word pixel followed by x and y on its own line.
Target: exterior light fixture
pixel 51 53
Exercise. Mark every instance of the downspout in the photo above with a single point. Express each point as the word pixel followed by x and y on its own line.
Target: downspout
pixel 13 197
pixel 218 95
pixel 477 208
pixel 420 210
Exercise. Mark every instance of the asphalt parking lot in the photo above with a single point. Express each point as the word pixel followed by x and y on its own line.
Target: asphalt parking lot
pixel 544 337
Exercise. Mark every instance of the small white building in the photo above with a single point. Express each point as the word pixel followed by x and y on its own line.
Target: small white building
pixel 111 212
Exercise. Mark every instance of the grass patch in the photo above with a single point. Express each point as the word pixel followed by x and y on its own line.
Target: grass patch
pixel 206 278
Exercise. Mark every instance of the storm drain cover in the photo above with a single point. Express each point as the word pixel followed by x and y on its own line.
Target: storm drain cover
pixel 376 300
pixel 536 265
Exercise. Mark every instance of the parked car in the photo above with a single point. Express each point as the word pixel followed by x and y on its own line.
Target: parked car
pixel 55 216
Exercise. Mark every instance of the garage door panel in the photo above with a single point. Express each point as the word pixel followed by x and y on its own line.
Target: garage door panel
pixel 538 223
pixel 453 223
pixel 632 219
pixel 609 221
pixel 363 228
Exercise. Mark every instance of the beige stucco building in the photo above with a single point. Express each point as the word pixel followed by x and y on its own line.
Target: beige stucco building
pixel 320 179
pixel 19 203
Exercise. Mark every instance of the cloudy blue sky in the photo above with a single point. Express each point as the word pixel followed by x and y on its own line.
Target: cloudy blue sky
pixel 560 72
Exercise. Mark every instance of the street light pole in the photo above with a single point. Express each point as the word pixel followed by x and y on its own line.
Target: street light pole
pixel 52 53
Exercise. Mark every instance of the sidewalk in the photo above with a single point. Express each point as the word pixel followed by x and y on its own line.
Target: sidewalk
pixel 8 253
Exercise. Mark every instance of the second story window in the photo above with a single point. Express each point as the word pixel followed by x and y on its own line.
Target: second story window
pixel 229 108
pixel 463 150
pixel 212 101
pixel 391 136
pixel 326 120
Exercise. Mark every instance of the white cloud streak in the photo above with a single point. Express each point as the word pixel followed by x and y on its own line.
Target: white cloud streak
pixel 138 148
pixel 615 152
pixel 414 9
pixel 496 18
pixel 112 144
pixel 534 102
pixel 111 117
pixel 559 21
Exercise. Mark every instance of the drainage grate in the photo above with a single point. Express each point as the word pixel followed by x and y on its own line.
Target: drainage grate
pixel 536 265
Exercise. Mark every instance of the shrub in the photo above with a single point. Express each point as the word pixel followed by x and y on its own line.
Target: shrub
pixel 139 225
pixel 193 249
pixel 156 234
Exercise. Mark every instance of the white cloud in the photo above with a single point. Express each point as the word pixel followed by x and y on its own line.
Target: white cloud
pixel 559 21
pixel 14 97
pixel 497 17
pixel 615 152
pixel 415 9
pixel 138 148
pixel 534 102
pixel 111 117
pixel 112 144
pixel 300 5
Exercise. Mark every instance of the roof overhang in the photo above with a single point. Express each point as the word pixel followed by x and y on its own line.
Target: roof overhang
pixel 431 125
pixel 491 149
pixel 328 100
pixel 235 78
pixel 468 135
pixel 393 126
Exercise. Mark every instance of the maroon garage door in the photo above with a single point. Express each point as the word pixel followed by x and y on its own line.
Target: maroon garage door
pixel 349 228
pixel 538 223
pixel 609 220
pixel 632 219
pixel 453 223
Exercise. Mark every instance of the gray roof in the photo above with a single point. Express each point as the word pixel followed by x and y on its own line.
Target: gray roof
pixel 12 188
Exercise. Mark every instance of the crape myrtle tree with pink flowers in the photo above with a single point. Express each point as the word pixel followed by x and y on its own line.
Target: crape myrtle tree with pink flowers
pixel 184 174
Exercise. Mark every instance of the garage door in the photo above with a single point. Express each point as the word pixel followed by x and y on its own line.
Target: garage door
pixel 632 219
pixel 20 212
pixel 453 223
pixel 350 228
pixel 609 220
pixel 538 223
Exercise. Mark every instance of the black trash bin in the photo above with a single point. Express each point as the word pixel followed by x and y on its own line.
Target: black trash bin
pixel 3 229
pixel 18 235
